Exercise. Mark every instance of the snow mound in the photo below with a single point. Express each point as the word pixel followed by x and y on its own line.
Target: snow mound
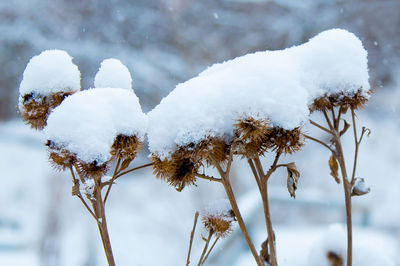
pixel 274 85
pixel 87 122
pixel 113 74
pixel 50 72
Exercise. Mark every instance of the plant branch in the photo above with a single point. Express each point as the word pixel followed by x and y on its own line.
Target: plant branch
pixel 77 192
pixel 320 142
pixel 111 182
pixel 196 216
pixel 320 127
pixel 205 248
pixel 328 121
pixel 209 251
pixel 133 169
pixel 211 178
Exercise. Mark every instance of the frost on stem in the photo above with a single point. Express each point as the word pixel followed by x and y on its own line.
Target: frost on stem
pixel 48 78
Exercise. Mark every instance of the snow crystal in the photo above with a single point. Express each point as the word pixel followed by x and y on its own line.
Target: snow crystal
pixel 274 85
pixel 113 74
pixel 50 72
pixel 87 122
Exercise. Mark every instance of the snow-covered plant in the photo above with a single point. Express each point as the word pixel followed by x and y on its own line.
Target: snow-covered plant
pixel 250 107
pixel 48 79
pixel 217 219
pixel 90 130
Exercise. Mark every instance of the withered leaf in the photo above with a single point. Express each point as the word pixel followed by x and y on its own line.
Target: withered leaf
pixel 333 165
pixel 75 188
pixel 293 177
pixel 345 128
pixel 125 163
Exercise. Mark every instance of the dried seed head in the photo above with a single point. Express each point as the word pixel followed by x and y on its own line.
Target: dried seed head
pixel 125 147
pixel 178 171
pixel 251 137
pixel 327 102
pixel 35 109
pixel 285 141
pixel 215 146
pixel 59 158
pixel 218 219
pixel 91 170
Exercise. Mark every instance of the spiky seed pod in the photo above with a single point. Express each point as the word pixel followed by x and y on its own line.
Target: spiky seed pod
pixel 36 108
pixel 219 224
pixel 251 137
pixel 126 147
pixel 178 171
pixel 59 158
pixel 91 170
pixel 327 102
pixel 284 141
pixel 215 146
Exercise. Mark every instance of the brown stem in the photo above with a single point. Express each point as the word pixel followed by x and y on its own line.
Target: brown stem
pixel 196 216
pixel 211 178
pixel 347 195
pixel 209 251
pixel 99 211
pixel 112 179
pixel 235 208
pixel 265 200
pixel 205 248
pixel 346 187
pixel 357 144
pixel 318 141
pixel 133 169
pixel 320 127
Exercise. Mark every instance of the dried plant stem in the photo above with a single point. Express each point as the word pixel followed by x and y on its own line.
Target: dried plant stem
pixel 210 234
pixel 264 195
pixel 99 210
pixel 318 141
pixel 232 200
pixel 211 178
pixel 347 185
pixel 196 216
pixel 133 169
pixel 112 179
pixel 209 251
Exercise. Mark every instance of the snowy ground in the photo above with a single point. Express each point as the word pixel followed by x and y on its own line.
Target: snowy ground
pixel 150 223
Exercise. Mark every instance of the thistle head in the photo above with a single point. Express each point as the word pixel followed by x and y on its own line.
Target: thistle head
pixel 327 102
pixel 218 218
pixel 126 147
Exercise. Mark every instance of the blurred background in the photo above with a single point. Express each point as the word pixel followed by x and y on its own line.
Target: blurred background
pixel 164 43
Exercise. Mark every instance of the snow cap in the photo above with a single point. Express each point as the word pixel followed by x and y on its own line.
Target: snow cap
pixel 113 74
pixel 50 72
pixel 87 123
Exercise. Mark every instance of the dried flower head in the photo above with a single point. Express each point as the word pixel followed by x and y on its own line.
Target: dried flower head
pixel 327 102
pixel 216 147
pixel 126 147
pixel 35 109
pixel 218 218
pixel 60 158
pixel 178 171
pixel 91 170
pixel 285 141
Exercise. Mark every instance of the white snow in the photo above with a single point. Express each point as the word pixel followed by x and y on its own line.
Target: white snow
pixel 113 74
pixel 87 122
pixel 219 208
pixel 274 85
pixel 50 72
pixel 360 186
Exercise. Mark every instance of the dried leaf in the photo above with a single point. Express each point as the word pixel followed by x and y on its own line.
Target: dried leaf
pixel 344 109
pixel 75 188
pixel 345 128
pixel 264 253
pixel 293 177
pixel 125 163
pixel 333 165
